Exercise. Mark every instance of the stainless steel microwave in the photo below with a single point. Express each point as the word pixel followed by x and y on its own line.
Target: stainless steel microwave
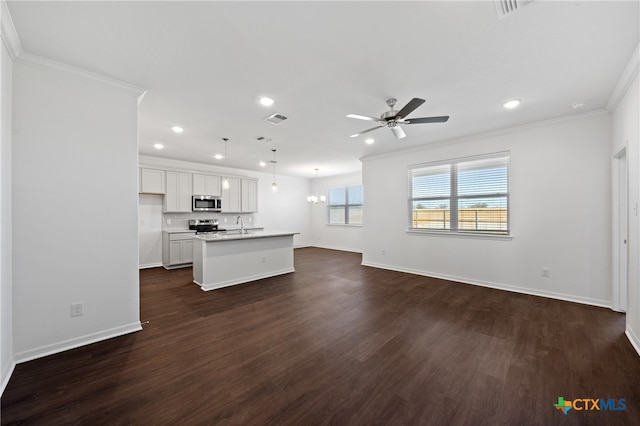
pixel 206 203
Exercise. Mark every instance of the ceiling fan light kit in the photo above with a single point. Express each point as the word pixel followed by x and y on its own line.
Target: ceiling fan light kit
pixel 393 119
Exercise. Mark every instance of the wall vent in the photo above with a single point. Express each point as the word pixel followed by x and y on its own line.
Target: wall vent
pixel 509 7
pixel 275 118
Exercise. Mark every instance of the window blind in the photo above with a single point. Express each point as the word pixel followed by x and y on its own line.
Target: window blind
pixel 466 195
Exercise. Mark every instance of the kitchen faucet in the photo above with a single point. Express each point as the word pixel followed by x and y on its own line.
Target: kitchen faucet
pixel 241 222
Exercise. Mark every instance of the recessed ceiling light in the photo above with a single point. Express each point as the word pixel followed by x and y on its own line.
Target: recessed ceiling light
pixel 511 104
pixel 263 164
pixel 369 141
pixel 177 129
pixel 158 146
pixel 218 156
pixel 266 101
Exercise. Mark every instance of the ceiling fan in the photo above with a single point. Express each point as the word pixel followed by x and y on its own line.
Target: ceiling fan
pixel 393 119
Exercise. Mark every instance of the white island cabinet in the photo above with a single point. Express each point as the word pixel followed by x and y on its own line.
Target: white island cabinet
pixel 224 260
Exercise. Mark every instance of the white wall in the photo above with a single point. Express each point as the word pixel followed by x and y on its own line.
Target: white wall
pixel 337 237
pixel 6 312
pixel 285 209
pixel 625 125
pixel 75 202
pixel 559 208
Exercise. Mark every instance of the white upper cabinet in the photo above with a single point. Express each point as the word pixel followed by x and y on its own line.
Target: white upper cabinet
pixel 206 185
pixel 231 197
pixel 178 192
pixel 151 181
pixel 249 196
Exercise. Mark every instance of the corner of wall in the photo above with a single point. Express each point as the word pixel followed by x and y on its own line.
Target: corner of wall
pixel 9 47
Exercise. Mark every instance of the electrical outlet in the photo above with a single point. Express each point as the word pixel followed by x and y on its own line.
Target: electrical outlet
pixel 168 221
pixel 383 252
pixel 76 309
pixel 264 260
pixel 546 272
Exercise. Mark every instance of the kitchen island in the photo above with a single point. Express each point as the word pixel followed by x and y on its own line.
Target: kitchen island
pixel 222 260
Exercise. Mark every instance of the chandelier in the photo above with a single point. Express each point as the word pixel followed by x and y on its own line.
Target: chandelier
pixel 315 199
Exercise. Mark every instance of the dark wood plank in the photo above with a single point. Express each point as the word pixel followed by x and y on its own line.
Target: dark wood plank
pixel 336 343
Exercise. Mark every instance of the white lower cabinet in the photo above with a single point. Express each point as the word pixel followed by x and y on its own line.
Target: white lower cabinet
pixel 177 249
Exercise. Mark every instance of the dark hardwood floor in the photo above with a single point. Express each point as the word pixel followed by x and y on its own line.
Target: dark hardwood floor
pixel 337 343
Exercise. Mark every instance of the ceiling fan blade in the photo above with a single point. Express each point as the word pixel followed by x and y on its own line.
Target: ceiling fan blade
pixel 363 117
pixel 398 132
pixel 442 119
pixel 365 131
pixel 408 108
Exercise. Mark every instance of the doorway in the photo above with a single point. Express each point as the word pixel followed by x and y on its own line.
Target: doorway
pixel 620 231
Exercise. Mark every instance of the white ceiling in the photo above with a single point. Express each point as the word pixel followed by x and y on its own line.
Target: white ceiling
pixel 206 63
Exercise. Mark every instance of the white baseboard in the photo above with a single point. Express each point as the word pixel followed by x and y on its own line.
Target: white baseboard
pixel 6 375
pixel 633 338
pixel 340 248
pixel 150 265
pixel 243 280
pixel 65 345
pixel 498 286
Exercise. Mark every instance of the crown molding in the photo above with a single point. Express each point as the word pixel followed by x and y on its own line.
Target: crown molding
pixel 38 61
pixel 18 55
pixel 628 75
pixel 8 32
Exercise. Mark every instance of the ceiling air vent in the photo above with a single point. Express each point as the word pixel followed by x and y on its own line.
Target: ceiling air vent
pixel 263 139
pixel 508 7
pixel 275 118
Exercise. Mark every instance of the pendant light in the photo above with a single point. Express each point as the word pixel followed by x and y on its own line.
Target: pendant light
pixel 274 186
pixel 314 198
pixel 225 180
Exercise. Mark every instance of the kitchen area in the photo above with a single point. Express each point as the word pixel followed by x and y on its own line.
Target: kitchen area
pixel 210 219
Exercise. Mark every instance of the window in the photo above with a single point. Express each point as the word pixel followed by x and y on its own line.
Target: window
pixel 467 195
pixel 345 205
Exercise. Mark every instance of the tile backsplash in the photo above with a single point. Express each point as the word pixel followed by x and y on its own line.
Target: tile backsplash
pixel 179 221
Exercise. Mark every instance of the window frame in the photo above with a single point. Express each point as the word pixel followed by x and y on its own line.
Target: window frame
pixel 346 205
pixel 453 198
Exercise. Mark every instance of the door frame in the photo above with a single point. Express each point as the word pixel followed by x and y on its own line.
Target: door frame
pixel 620 227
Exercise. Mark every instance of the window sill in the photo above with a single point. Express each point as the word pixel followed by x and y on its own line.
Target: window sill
pixel 507 237
pixel 349 225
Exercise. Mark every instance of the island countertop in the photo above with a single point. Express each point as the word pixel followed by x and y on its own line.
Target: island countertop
pixel 220 237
